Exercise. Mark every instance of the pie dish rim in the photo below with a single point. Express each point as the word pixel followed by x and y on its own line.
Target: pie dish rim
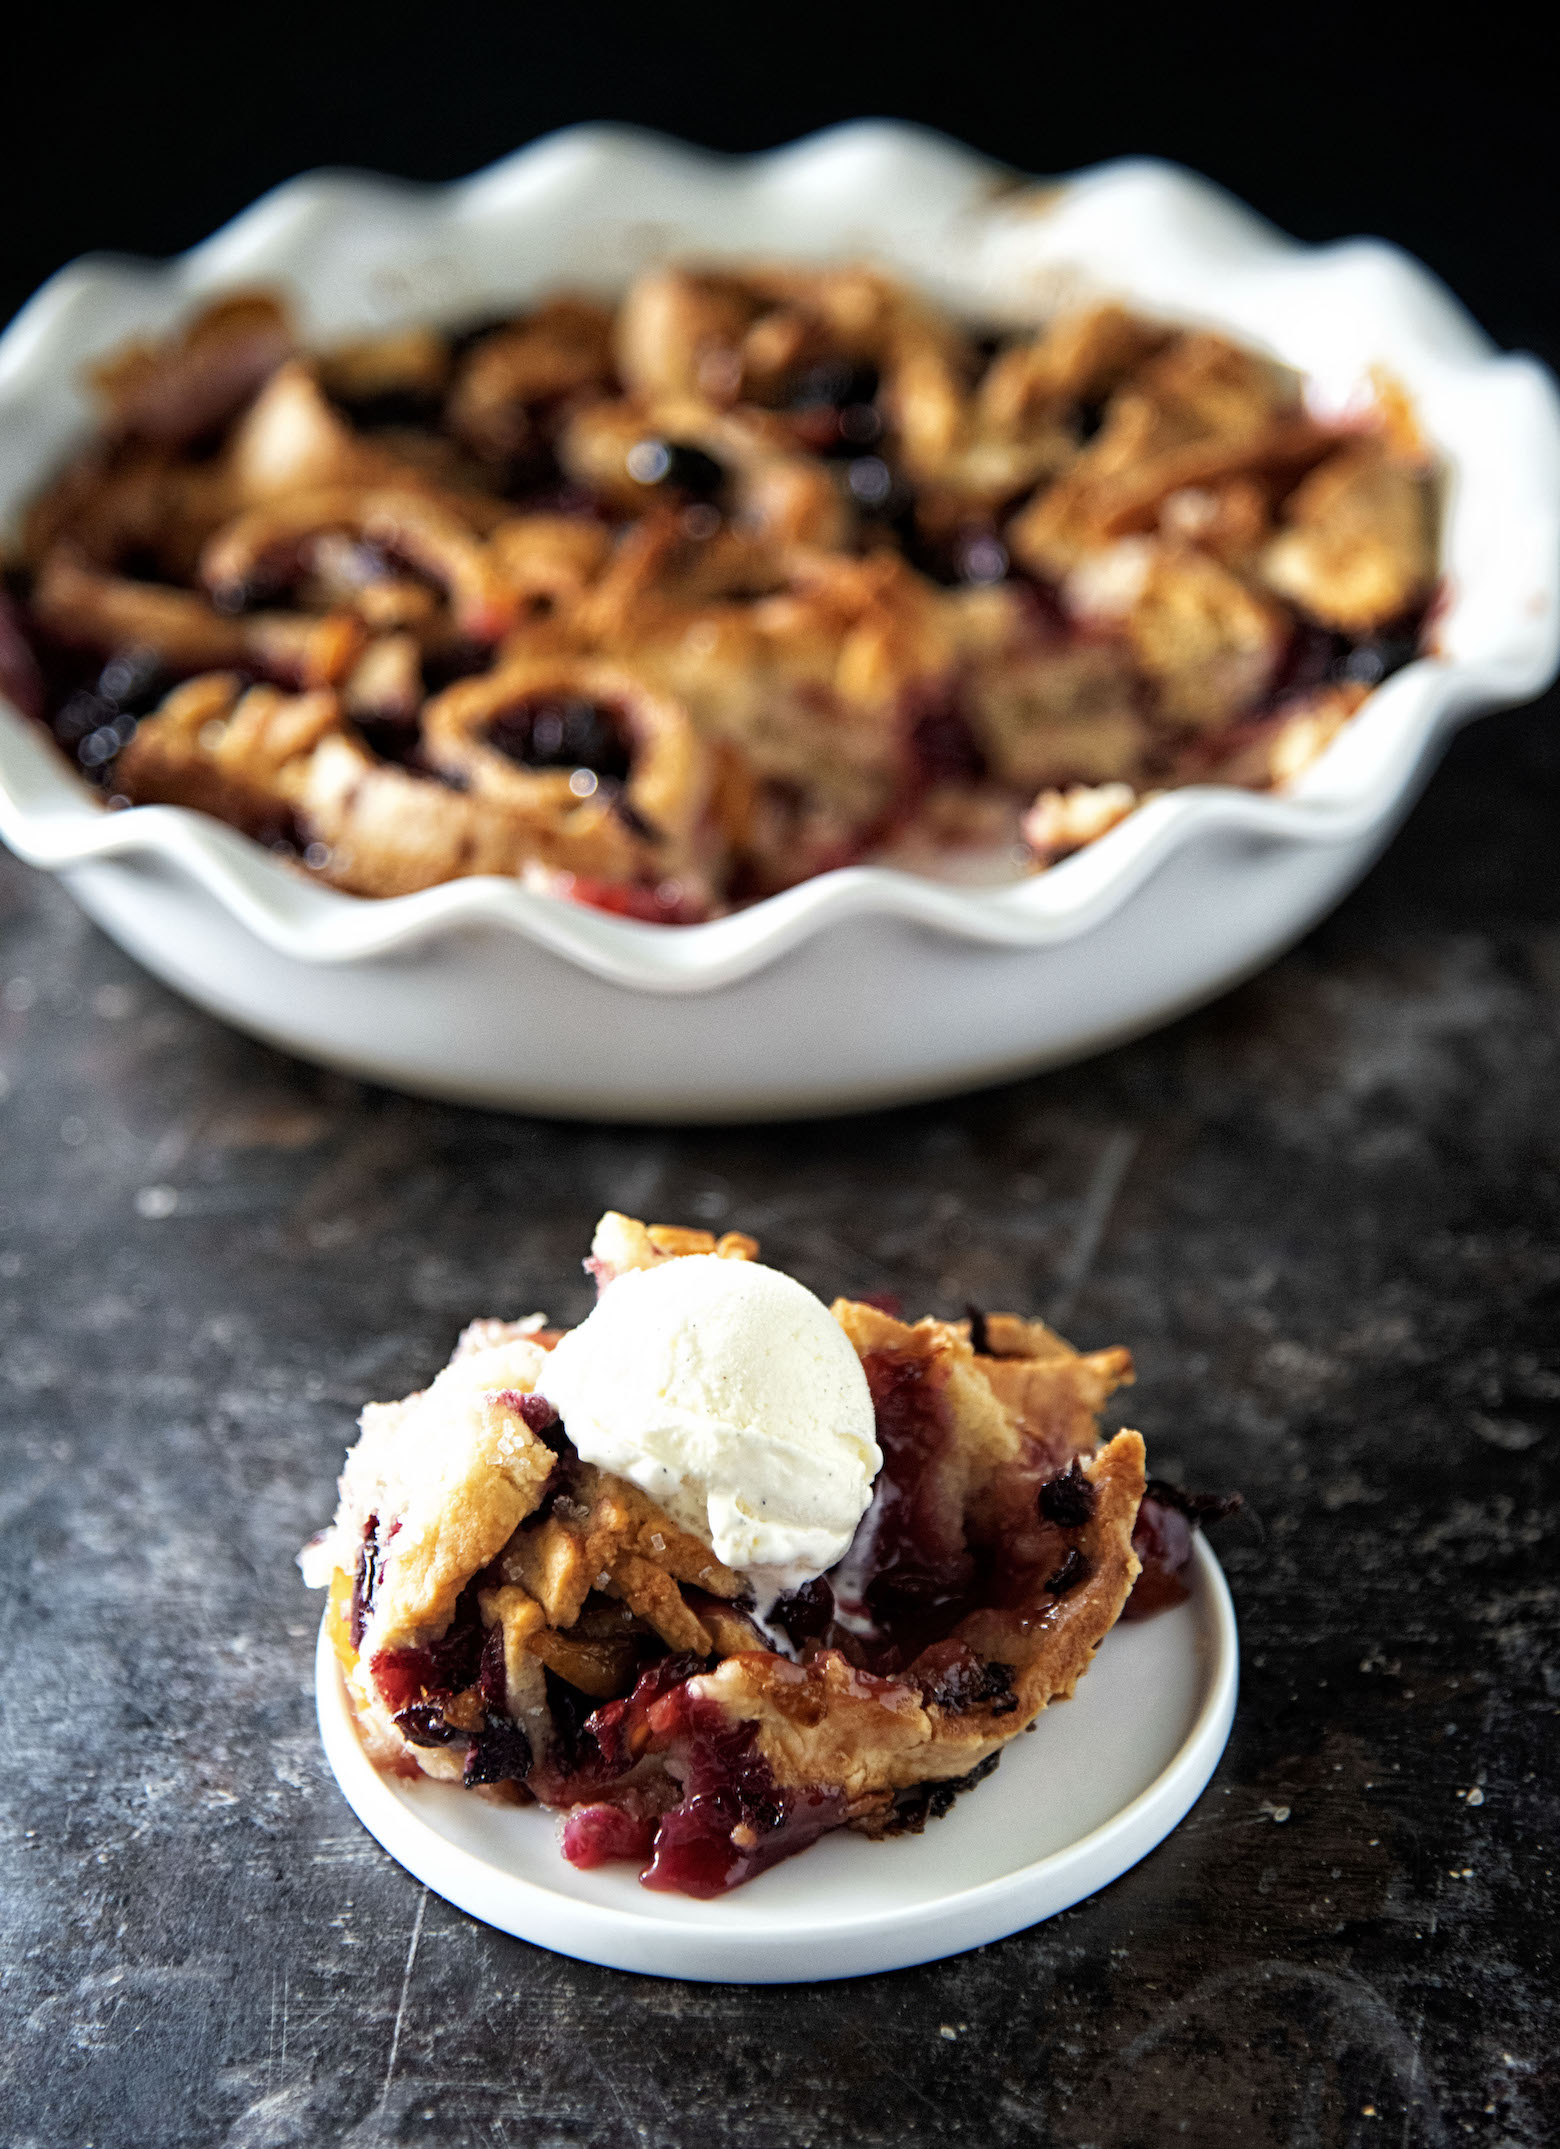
pixel 1509 483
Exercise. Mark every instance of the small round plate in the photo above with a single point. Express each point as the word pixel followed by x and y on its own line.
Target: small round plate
pixel 1091 1790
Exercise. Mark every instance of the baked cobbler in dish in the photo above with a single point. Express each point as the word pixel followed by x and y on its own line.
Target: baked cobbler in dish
pixel 723 1569
pixel 669 605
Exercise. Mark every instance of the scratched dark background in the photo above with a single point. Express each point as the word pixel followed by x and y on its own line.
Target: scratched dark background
pixel 1323 1213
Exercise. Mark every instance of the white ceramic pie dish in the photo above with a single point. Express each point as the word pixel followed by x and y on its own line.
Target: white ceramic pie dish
pixel 1076 1802
pixel 864 986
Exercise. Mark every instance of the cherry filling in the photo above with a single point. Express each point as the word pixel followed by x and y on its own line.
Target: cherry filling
pixel 1162 1540
pixel 622 1732
pixel 675 466
pixel 667 903
pixel 93 708
pixel 910 1571
pixel 408 1678
pixel 924 1592
pixel 833 408
pixel 709 1816
pixel 499 1753
pixel 1318 656
pixel 596 1748
pixel 734 1820
pixel 945 749
pixel 806 1614
pixel 460 1674
pixel 598 1834
pixel 396 739
pixel 560 731
pixel 323 569
pixel 1069 1499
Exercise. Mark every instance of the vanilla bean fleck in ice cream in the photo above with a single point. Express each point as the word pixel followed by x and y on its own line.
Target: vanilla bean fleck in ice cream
pixel 729 1394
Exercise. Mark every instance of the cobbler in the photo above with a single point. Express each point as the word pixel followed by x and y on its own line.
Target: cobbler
pixel 838 1562
pixel 668 605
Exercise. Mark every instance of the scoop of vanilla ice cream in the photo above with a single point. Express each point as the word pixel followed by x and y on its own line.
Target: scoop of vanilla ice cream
pixel 732 1396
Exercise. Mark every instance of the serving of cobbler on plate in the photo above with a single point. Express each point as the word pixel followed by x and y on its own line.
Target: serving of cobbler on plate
pixel 668 605
pixel 723 1569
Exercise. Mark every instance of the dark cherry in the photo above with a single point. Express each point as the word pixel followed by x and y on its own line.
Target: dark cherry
pixel 675 466
pixel 1162 1540
pixel 595 1835
pixel 1073 1570
pixel 500 1753
pixel 570 1711
pixel 980 558
pixel 1375 658
pixel 133 681
pixel 396 739
pixel 888 1302
pixel 945 749
pixel 560 732
pixel 97 721
pixel 268 584
pixel 397 407
pixel 455 660
pixel 805 1614
pixel 1319 657
pixel 401 1675
pixel 952 1677
pixel 1069 1498
pixel 538 1414
pixel 1314 658
pixel 422 1723
pixel 834 408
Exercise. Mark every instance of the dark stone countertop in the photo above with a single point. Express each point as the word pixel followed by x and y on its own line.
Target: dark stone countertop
pixel 1323 1213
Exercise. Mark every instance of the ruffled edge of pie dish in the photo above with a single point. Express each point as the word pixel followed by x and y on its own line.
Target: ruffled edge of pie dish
pixel 592 202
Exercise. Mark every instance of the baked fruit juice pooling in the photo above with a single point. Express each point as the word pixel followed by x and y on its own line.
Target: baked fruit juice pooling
pixel 723 1569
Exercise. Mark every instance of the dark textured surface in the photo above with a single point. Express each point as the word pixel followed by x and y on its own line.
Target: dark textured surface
pixel 1324 1215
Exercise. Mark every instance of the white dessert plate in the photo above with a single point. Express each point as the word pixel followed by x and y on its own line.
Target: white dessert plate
pixel 868 985
pixel 1076 1802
